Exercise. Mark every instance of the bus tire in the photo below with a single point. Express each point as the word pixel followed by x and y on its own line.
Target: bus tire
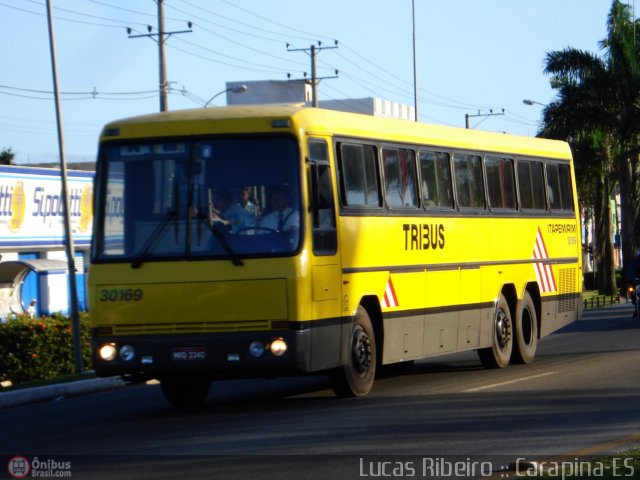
pixel 526 332
pixel 185 393
pixel 498 354
pixel 355 379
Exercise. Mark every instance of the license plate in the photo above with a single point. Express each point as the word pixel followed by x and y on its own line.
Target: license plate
pixel 189 354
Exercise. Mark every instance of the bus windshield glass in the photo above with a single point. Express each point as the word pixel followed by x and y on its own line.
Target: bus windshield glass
pixel 229 198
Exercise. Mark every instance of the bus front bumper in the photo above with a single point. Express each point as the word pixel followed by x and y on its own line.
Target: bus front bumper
pixel 216 355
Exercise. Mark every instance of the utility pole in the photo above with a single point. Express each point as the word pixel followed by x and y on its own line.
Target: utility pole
pixel 491 113
pixel 162 37
pixel 313 52
pixel 161 58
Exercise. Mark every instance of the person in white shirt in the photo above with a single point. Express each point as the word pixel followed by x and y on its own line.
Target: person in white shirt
pixel 283 217
pixel 31 309
pixel 243 214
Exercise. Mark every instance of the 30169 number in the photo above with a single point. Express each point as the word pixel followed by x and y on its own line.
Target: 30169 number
pixel 121 295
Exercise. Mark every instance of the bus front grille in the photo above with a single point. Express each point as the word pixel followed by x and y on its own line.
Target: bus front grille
pixel 195 327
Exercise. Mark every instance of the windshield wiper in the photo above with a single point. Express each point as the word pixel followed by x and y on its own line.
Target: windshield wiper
pixel 214 227
pixel 158 232
pixel 155 236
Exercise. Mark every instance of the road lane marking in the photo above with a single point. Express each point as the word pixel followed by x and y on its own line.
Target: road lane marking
pixel 509 382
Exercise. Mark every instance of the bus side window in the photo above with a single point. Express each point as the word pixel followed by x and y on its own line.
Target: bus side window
pixel 531 185
pixel 566 194
pixel 525 187
pixel 325 239
pixel 537 185
pixel 469 182
pixel 501 187
pixel 359 176
pixel 559 187
pixel 399 177
pixel 435 170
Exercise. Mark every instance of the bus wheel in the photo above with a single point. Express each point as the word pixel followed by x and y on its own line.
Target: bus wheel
pixel 499 353
pixel 187 393
pixel 356 378
pixel 526 332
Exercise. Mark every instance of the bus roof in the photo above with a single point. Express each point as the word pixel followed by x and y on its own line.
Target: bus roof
pixel 317 121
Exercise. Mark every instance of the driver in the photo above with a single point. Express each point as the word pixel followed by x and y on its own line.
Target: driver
pixel 283 217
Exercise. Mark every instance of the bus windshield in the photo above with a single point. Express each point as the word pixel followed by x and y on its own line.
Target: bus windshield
pixel 228 198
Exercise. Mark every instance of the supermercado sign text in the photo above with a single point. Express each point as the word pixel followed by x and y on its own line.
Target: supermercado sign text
pixel 32 207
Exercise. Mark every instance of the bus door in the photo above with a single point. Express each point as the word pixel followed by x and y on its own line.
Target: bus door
pixel 325 266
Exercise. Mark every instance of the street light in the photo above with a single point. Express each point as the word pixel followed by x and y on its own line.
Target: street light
pixel 526 101
pixel 235 89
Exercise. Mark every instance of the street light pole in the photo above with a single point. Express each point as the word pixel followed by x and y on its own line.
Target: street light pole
pixel 415 72
pixel 235 89
pixel 527 101
pixel 73 291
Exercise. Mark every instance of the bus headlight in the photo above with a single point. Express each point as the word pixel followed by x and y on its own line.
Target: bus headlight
pixel 107 352
pixel 256 349
pixel 278 347
pixel 127 353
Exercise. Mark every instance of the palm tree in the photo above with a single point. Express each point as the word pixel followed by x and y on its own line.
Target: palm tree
pixel 596 110
pixel 580 115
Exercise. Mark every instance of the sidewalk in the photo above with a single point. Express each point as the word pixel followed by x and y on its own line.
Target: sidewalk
pixel 25 396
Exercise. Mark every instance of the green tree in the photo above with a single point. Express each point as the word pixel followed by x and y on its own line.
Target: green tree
pixel 6 156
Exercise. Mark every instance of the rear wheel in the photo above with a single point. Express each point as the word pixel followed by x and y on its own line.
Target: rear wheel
pixel 526 332
pixel 356 378
pixel 499 353
pixel 185 392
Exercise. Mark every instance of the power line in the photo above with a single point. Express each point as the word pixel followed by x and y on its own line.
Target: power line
pixel 225 27
pixel 263 70
pixel 75 12
pixel 92 92
pixel 235 43
pixel 368 75
pixel 306 36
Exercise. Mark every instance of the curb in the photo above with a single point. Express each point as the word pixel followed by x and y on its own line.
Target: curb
pixel 59 391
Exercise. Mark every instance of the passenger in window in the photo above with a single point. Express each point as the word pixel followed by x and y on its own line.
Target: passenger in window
pixel 283 217
pixel 427 194
pixel 407 186
pixel 243 214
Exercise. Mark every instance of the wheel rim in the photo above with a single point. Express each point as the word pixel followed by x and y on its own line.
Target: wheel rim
pixel 361 350
pixel 503 329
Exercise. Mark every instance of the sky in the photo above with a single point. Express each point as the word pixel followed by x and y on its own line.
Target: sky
pixel 472 57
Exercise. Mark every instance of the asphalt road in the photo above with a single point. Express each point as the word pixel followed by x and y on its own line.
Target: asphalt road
pixel 581 396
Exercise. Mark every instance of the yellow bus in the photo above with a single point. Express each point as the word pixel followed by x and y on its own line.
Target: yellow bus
pixel 263 241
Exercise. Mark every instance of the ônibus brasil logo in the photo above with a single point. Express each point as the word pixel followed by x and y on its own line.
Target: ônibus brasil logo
pixel 19 467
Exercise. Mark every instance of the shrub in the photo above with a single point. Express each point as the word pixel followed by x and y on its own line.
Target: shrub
pixel 40 348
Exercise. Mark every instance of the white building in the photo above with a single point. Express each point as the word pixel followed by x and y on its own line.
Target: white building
pixel 299 91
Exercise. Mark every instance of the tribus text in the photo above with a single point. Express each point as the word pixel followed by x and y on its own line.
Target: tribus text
pixel 423 236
